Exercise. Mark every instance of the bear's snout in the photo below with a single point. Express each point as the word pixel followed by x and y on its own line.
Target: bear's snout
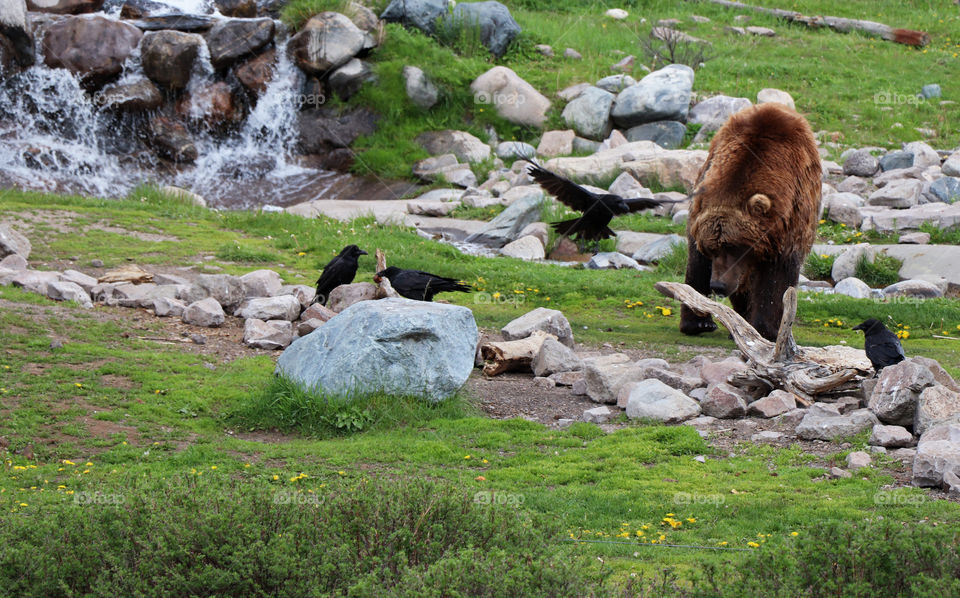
pixel 718 287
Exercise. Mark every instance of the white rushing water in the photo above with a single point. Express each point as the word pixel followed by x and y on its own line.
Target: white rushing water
pixel 54 137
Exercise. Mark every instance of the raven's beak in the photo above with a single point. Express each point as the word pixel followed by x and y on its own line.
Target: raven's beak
pixel 362 252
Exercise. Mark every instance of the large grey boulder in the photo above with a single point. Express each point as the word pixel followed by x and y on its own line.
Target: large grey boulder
pixel 511 96
pixel 227 290
pixel 915 288
pixel 895 160
pixel 899 193
pixel 13 243
pixel 168 56
pixel 93 48
pixel 347 80
pixel 661 95
pixel 461 144
pixel 845 264
pixel 605 377
pixel 945 189
pixel 668 134
pixel 654 251
pixel 652 399
pixel 327 41
pixel 273 334
pixel 283 307
pixel 507 225
pixel 34 281
pixel 828 427
pixel 853 287
pixel 421 14
pixel 79 278
pixel 923 154
pixel 206 312
pixel 551 321
pixel 421 91
pixel 894 399
pixel 496 25
pixel 860 163
pixel 936 405
pixel 394 346
pixel 589 113
pixel 528 248
pixel 843 208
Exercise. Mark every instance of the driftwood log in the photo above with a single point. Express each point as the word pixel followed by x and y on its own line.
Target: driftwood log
pixel 811 373
pixel 384 289
pixel 909 37
pixel 506 356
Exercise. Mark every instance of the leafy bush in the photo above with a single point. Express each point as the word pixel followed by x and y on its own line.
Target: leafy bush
pixel 286 406
pixel 210 536
pixel 819 266
pixel 875 559
pixel 883 271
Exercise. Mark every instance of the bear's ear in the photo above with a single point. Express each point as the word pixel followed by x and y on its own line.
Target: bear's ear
pixel 758 205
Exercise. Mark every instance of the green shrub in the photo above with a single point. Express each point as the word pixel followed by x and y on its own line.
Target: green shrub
pixel 220 536
pixel 876 559
pixel 819 266
pixel 883 271
pixel 674 264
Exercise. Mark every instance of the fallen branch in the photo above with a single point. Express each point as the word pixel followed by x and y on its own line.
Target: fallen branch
pixel 808 372
pixel 384 288
pixel 908 37
pixel 505 356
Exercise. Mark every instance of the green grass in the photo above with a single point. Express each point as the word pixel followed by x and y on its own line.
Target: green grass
pixel 819 266
pixel 169 428
pixel 883 270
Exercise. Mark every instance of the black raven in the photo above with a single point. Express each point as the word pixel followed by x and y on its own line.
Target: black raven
pixel 422 286
pixel 882 346
pixel 340 270
pixel 597 210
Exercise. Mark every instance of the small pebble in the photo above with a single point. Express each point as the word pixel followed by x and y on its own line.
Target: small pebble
pixel 198 339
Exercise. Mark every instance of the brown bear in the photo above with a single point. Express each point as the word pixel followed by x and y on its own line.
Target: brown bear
pixel 753 215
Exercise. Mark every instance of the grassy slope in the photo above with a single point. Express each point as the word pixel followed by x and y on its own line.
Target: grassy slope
pixel 170 410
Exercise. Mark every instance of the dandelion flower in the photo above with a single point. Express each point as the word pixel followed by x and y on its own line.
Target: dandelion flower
pixel 753 545
pixel 794 534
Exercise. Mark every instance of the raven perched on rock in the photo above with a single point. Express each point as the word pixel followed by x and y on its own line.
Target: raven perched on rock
pixel 422 286
pixel 882 346
pixel 597 210
pixel 340 270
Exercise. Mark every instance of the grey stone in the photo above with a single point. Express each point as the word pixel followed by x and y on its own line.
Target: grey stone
pixel 567 378
pixel 858 460
pixel 767 436
pixel 616 83
pixel 544 50
pixel 226 289
pixel 13 243
pixel 305 327
pixel 719 371
pixel 945 189
pixel 421 91
pixel 205 312
pixel 555 357
pixel 914 238
pixel 654 251
pixel 568 93
pixel 60 290
pixel 598 415
pixel 861 163
pixel 661 95
pixel 775 95
pixel 894 399
pixel 510 96
pixel 304 294
pixel 652 399
pixel 461 144
pixel 138 96
pixel 346 295
pixel 15 262
pixel 347 79
pixel 396 346
pixel 761 31
pixel 900 193
pixel 895 160
pixel 891 436
pixel 261 283
pixel 668 134
pixel 829 427
pixel 283 307
pixel 496 25
pixel 845 265
pixel 683 383
pixel 527 248
pixel 724 402
pixel 327 41
pixel 776 403
pixel 936 405
pixel 513 150
pixel 923 154
pixel 843 208
pixel 940 375
pixel 275 334
pixel 853 287
pixel 421 14
pixel 606 376
pixel 582 145
pixel 556 143
pixel 713 112
pixel 919 289
pixel 319 312
pixel 938 452
pixel 572 54
pixel 168 56
pixel 931 90
pixel 34 281
pixel 853 184
pixel 628 187
pixel 231 39
pixel 951 166
pixel 550 321
pixel 166 306
pixel 84 281
pixel 791 419
pixel 506 226
pixel 612 260
pixel 589 113
pixel 538 230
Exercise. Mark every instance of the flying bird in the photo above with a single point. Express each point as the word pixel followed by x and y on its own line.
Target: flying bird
pixel 415 284
pixel 340 270
pixel 882 346
pixel 596 210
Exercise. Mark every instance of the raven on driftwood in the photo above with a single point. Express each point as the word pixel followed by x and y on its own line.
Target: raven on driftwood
pixel 415 284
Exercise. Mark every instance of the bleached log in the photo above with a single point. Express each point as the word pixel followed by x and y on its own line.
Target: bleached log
pixel 505 356
pixel 384 288
pixel 808 372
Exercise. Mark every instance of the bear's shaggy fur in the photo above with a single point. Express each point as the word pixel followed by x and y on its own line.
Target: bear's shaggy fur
pixel 754 214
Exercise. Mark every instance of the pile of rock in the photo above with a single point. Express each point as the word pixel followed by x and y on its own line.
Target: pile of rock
pixel 913 403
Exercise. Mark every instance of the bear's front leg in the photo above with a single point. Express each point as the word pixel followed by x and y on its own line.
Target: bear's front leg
pixel 766 309
pixel 698 277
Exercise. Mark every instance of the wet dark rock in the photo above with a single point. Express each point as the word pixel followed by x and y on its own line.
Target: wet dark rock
pixel 323 129
pixel 140 96
pixel 93 48
pixel 171 140
pixel 168 57
pixel 65 7
pixel 257 72
pixel 232 39
pixel 174 22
